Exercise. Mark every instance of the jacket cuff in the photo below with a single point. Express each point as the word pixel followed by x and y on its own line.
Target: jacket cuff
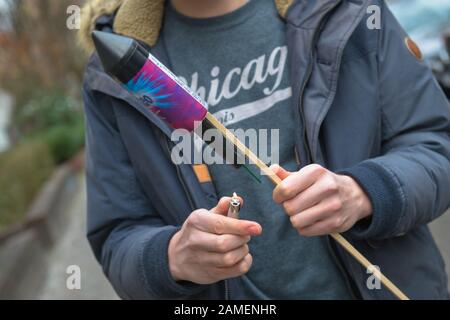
pixel 156 269
pixel 386 197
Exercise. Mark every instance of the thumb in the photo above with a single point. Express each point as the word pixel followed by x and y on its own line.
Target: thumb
pixel 223 205
pixel 280 172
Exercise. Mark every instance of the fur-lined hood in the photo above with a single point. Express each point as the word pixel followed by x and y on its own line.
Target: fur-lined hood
pixel 140 19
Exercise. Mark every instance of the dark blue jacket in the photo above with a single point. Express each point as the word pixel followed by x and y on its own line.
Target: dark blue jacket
pixel 371 110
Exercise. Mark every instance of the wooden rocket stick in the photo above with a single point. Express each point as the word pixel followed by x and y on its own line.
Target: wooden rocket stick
pixel 276 180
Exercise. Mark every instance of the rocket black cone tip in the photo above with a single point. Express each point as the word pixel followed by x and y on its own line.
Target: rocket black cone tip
pixel 111 48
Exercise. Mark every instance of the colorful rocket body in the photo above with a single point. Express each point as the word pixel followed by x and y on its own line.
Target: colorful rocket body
pixel 147 78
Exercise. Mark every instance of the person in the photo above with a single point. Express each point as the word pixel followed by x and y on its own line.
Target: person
pixel 363 150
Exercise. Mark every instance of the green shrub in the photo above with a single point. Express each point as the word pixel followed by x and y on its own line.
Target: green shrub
pixel 64 141
pixel 51 128
pixel 47 109
pixel 23 170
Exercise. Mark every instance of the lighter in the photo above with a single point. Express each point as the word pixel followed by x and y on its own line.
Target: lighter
pixel 235 207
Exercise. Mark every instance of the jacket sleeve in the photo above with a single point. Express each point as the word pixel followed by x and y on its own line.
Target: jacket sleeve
pixel 409 182
pixel 128 237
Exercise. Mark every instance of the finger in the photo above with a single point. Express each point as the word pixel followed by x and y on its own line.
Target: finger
pixel 280 172
pixel 297 182
pixel 223 205
pixel 310 197
pixel 321 211
pixel 218 243
pixel 237 270
pixel 319 228
pixel 218 224
pixel 226 260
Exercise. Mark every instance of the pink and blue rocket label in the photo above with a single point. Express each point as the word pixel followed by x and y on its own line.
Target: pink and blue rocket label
pixel 166 96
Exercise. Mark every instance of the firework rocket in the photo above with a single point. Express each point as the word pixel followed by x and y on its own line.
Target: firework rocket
pixel 147 78
pixel 156 86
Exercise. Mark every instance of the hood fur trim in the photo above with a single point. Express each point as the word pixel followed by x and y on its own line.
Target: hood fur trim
pixel 91 11
pixel 140 19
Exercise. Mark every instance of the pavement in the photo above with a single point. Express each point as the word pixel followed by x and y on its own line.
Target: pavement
pixel 441 232
pixel 73 249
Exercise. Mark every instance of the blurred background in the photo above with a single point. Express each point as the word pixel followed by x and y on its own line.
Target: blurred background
pixel 42 194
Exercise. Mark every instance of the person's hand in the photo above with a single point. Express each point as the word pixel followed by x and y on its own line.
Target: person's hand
pixel 211 247
pixel 320 202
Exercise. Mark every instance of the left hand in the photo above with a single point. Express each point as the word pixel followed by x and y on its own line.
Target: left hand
pixel 320 202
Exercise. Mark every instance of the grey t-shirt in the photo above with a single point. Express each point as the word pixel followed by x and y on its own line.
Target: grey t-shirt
pixel 238 63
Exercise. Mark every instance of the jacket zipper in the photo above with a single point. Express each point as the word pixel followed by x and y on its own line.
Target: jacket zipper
pixel 349 286
pixel 227 292
pixel 191 204
pixel 305 139
pixel 180 178
pixel 310 156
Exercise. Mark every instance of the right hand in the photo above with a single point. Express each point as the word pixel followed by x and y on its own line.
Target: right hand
pixel 211 247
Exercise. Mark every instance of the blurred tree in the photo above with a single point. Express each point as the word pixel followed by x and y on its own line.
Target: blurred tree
pixel 39 52
pixel 41 67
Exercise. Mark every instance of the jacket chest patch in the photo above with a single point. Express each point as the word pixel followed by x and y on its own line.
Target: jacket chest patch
pixel 413 48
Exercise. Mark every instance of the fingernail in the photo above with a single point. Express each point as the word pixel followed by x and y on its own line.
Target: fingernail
pixel 253 229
